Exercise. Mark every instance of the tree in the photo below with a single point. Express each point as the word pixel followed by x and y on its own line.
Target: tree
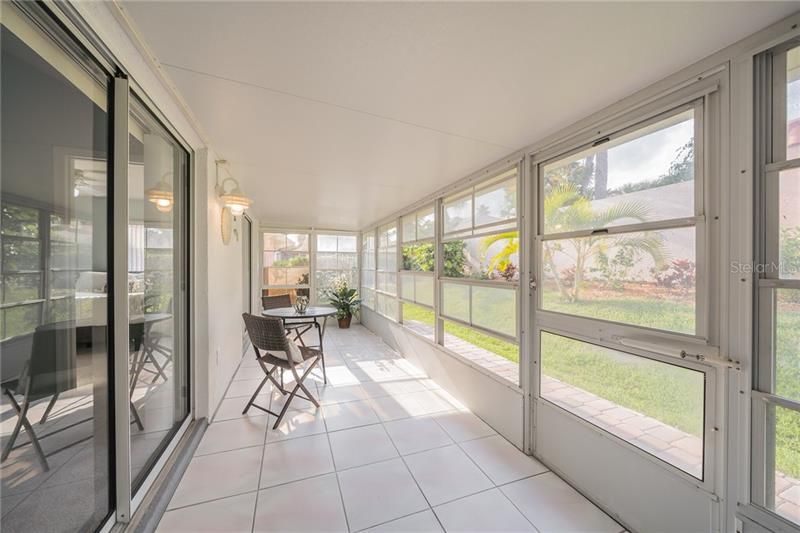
pixel 501 261
pixel 566 209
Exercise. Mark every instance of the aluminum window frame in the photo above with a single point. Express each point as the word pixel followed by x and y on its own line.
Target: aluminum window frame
pixel 703 98
pixel 698 221
pixel 373 235
pixel 770 161
pixel 496 175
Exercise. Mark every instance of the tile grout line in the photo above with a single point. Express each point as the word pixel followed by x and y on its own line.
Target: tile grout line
pixel 410 473
pixel 335 471
pixel 261 465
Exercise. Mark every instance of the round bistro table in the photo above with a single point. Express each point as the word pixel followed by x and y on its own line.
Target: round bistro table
pixel 312 317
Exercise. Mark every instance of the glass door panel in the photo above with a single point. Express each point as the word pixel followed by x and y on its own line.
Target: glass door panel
pixel 54 306
pixel 157 200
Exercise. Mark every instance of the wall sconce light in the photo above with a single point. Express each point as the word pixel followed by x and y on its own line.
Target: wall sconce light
pixel 161 194
pixel 233 199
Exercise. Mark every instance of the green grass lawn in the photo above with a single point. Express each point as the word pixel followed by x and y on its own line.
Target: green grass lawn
pixel 665 392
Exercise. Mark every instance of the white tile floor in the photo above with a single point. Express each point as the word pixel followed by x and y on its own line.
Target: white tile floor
pixel 387 451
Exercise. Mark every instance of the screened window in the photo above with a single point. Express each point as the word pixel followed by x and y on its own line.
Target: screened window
pixel 619 226
pixel 286 264
pixel 368 265
pixel 480 276
pixel 416 270
pixel 386 275
pixel 336 257
pixel 775 428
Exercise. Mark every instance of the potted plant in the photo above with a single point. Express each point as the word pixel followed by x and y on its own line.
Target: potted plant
pixel 345 299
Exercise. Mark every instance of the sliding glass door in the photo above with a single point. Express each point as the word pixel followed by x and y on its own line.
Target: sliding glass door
pixel 157 203
pixel 54 315
pixel 88 341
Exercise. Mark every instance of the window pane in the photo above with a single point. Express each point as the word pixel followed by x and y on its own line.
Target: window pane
pixel 655 406
pixel 419 319
pixel 789 217
pixel 409 228
pixel 286 259
pixel 407 286
pixel 497 202
pixel 21 287
pixel 787 461
pixel 425 221
pixel 458 214
pixel 326 243
pixel 368 298
pixel 492 257
pixel 348 243
pixel 54 126
pixel 423 290
pixel 419 257
pixel 368 278
pixel 643 176
pixel 386 305
pixel 21 255
pixel 498 356
pixel 326 260
pixel 20 221
pixel 20 320
pixel 644 279
pixel 793 104
pixel 495 309
pixel 787 344
pixel 455 301
pixel 274 241
pixel 158 174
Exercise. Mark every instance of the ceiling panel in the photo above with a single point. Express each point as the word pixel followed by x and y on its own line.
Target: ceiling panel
pixel 335 115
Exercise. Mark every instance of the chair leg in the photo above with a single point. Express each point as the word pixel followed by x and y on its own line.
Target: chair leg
pixel 22 421
pixel 49 408
pixel 322 353
pixel 136 418
pixel 292 394
pixel 253 397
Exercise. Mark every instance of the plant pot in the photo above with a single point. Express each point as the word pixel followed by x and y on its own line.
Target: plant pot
pixel 344 323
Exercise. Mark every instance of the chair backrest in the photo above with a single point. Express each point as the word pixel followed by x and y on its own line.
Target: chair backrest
pixel 273 302
pixel 53 367
pixel 14 355
pixel 266 333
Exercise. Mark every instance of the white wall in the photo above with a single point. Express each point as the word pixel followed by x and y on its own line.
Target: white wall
pixel 498 404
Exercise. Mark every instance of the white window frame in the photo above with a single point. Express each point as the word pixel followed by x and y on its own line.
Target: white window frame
pixel 771 160
pixel 381 294
pixel 497 175
pixel 697 221
pixel 659 345
pixel 313 260
pixel 413 274
pixel 288 286
pixel 373 234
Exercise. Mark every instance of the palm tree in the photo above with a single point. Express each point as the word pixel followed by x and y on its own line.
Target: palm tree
pixel 565 209
pixel 502 259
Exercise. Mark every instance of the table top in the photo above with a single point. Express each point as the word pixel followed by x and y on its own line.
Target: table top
pixel 290 312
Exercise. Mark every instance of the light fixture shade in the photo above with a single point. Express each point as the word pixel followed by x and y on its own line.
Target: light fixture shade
pixel 236 201
pixel 161 195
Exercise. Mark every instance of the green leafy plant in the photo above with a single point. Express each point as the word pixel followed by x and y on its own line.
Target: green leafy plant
pixel 343 298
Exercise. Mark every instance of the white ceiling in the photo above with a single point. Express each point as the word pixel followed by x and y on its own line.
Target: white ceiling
pixel 336 115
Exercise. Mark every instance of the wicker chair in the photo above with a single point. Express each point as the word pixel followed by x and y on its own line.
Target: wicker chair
pixel 296 327
pixel 268 335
